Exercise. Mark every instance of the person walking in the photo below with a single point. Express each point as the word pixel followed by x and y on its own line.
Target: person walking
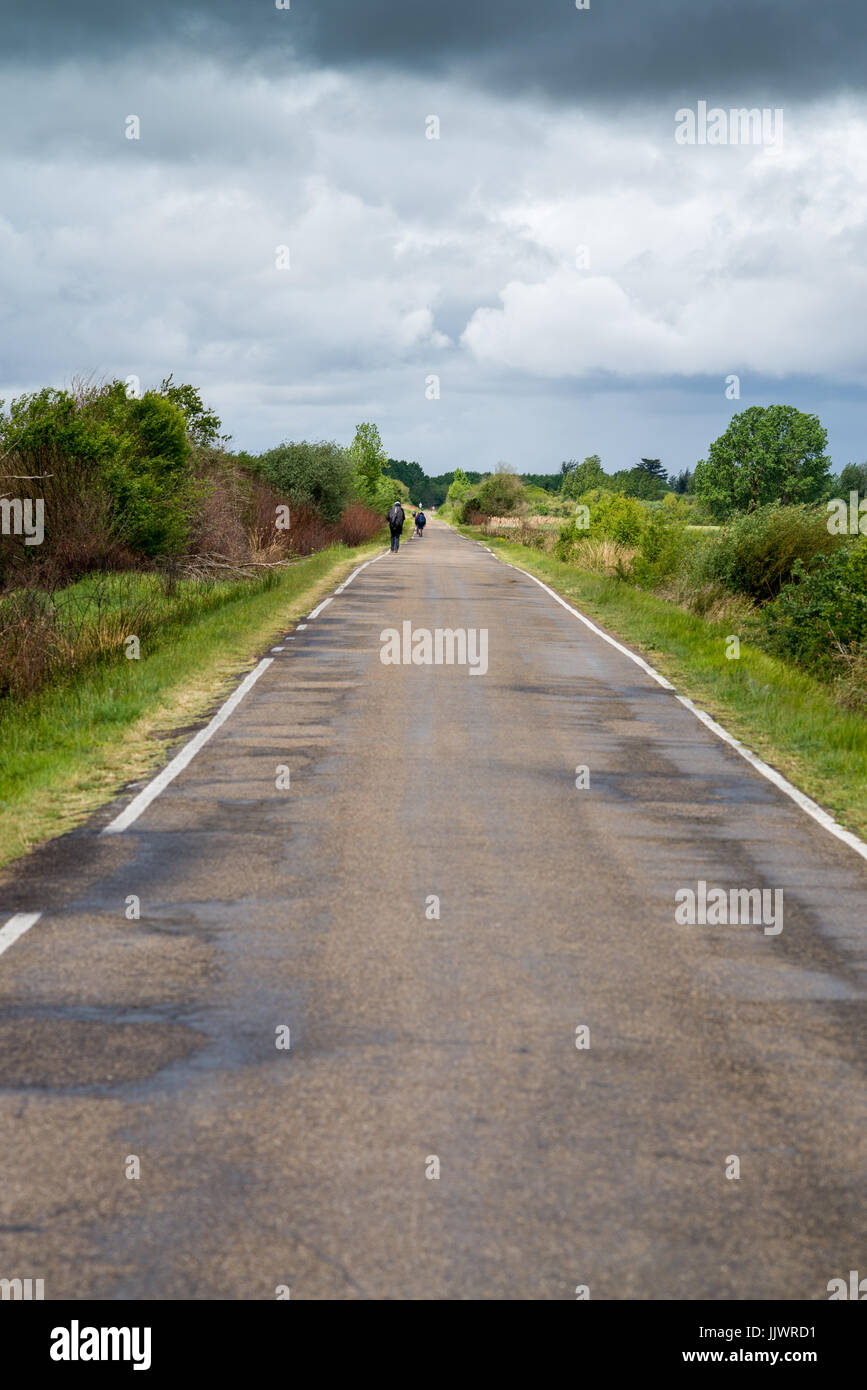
pixel 420 524
pixel 396 518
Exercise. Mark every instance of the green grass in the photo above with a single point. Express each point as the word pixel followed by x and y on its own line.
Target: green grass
pixel 72 746
pixel 777 710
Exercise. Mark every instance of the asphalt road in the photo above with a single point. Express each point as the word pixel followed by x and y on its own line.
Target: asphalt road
pixel 413 1036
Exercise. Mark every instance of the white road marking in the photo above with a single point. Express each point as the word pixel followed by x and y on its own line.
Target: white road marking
pixel 639 661
pixel 805 802
pixel 811 807
pixel 185 757
pixel 346 583
pixel 149 793
pixel 15 927
pixel 278 649
pixel 319 607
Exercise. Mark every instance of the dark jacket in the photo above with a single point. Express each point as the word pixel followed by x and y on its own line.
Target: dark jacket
pixel 396 518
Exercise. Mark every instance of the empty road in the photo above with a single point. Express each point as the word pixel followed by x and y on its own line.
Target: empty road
pixel 394 863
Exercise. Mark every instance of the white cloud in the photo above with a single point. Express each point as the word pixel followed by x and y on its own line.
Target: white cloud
pixel 409 256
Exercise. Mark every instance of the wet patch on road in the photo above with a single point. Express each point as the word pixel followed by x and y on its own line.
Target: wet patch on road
pixel 65 1053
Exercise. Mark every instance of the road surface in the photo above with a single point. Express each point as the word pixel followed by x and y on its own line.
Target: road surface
pixel 421 1042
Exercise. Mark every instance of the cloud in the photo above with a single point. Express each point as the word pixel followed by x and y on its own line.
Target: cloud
pixel 621 51
pixel 412 256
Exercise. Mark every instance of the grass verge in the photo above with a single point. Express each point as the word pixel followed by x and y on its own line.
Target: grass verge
pixel 68 749
pixel 780 712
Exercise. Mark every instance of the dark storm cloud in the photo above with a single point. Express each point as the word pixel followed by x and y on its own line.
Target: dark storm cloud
pixel 616 49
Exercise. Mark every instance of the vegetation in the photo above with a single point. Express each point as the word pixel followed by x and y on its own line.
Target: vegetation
pixel 775 572
pixel 109 720
pixel 768 454
pixel 143 500
pixel 155 530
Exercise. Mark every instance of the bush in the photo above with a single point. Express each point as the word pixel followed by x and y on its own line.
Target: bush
pixel 851 684
pixel 470 510
pixel 109 467
pixel 500 494
pixel 318 475
pixel 821 612
pixel 612 517
pixel 149 475
pixel 661 548
pixel 757 552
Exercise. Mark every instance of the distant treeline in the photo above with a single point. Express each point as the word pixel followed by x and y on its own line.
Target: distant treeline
pixel 431 492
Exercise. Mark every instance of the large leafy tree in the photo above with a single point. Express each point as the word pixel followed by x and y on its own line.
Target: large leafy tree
pixel 772 453
pixel 368 459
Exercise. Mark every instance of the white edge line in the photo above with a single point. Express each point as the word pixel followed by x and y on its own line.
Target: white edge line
pixel 639 661
pixel 149 793
pixel 319 607
pixel 181 760
pixel 15 927
pixel 812 808
pixel 346 583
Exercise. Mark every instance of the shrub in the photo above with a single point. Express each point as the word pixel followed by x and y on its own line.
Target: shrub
pixel 98 454
pixel 470 511
pixel 612 517
pixel 500 494
pixel 757 552
pixel 851 683
pixel 661 549
pixel 317 474
pixel 821 612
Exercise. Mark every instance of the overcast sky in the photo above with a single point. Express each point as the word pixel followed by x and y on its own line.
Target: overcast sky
pixel 455 257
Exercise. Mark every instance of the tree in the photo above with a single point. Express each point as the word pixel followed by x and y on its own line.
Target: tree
pixel 653 467
pixel 549 481
pixel 853 479
pixel 368 460
pixel 583 476
pixel 500 494
pixel 772 453
pixel 316 473
pixel 645 483
pixel 682 482
pixel 412 474
pixel 203 425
